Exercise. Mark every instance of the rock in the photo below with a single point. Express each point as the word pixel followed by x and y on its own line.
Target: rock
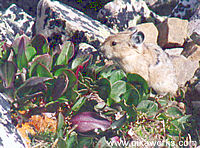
pixel 62 22
pixel 185 9
pixel 174 51
pixel 122 14
pixel 85 49
pixel 28 6
pixel 191 51
pixel 150 36
pixel 172 32
pixel 195 37
pixel 10 137
pixel 194 26
pixel 163 8
pixel 15 21
pixel 185 68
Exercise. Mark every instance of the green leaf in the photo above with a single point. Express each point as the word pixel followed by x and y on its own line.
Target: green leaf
pixel 71 142
pixel 105 71
pixel 71 94
pixel 103 88
pixel 79 61
pixel 78 104
pixel 117 89
pixel 42 71
pixel 22 61
pixel 60 121
pixel 40 43
pixel 173 112
pixel 15 44
pixel 62 100
pixel 45 60
pixel 119 123
pixel 137 79
pixel 61 143
pixel 132 95
pixel 66 53
pixel 116 75
pixel 33 81
pixel 184 119
pixel 84 142
pixel 7 73
pixel 147 106
pixel 102 143
pixel 30 52
pixel 71 75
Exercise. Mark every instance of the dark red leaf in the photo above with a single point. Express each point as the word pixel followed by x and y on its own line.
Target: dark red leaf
pixel 88 121
pixel 60 87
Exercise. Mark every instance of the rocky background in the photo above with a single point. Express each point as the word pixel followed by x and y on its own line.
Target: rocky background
pixel 91 22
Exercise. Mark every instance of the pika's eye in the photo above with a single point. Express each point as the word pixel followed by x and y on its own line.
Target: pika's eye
pixel 114 43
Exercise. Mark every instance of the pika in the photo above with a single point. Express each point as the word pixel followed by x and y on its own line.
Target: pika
pixel 148 60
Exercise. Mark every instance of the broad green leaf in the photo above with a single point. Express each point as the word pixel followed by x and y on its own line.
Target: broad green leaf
pixel 85 142
pixel 40 43
pixel 173 112
pixel 79 61
pixel 71 142
pixel 147 106
pixel 42 71
pixel 22 61
pixel 71 75
pixel 71 94
pixel 67 51
pixel 131 96
pixel 33 81
pixel 15 44
pixel 103 88
pixel 116 75
pixel 78 104
pixel 137 79
pixel 105 71
pixel 45 60
pixel 117 89
pixel 30 52
pixel 7 73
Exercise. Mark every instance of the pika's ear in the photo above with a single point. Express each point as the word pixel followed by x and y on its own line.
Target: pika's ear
pixel 137 38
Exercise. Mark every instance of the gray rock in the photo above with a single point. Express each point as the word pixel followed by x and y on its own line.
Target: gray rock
pixel 9 137
pixel 194 26
pixel 13 21
pixel 162 7
pixel 122 14
pixel 56 20
pixel 185 9
pixel 85 48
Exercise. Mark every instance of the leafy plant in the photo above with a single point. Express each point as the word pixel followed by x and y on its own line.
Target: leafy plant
pixel 99 99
